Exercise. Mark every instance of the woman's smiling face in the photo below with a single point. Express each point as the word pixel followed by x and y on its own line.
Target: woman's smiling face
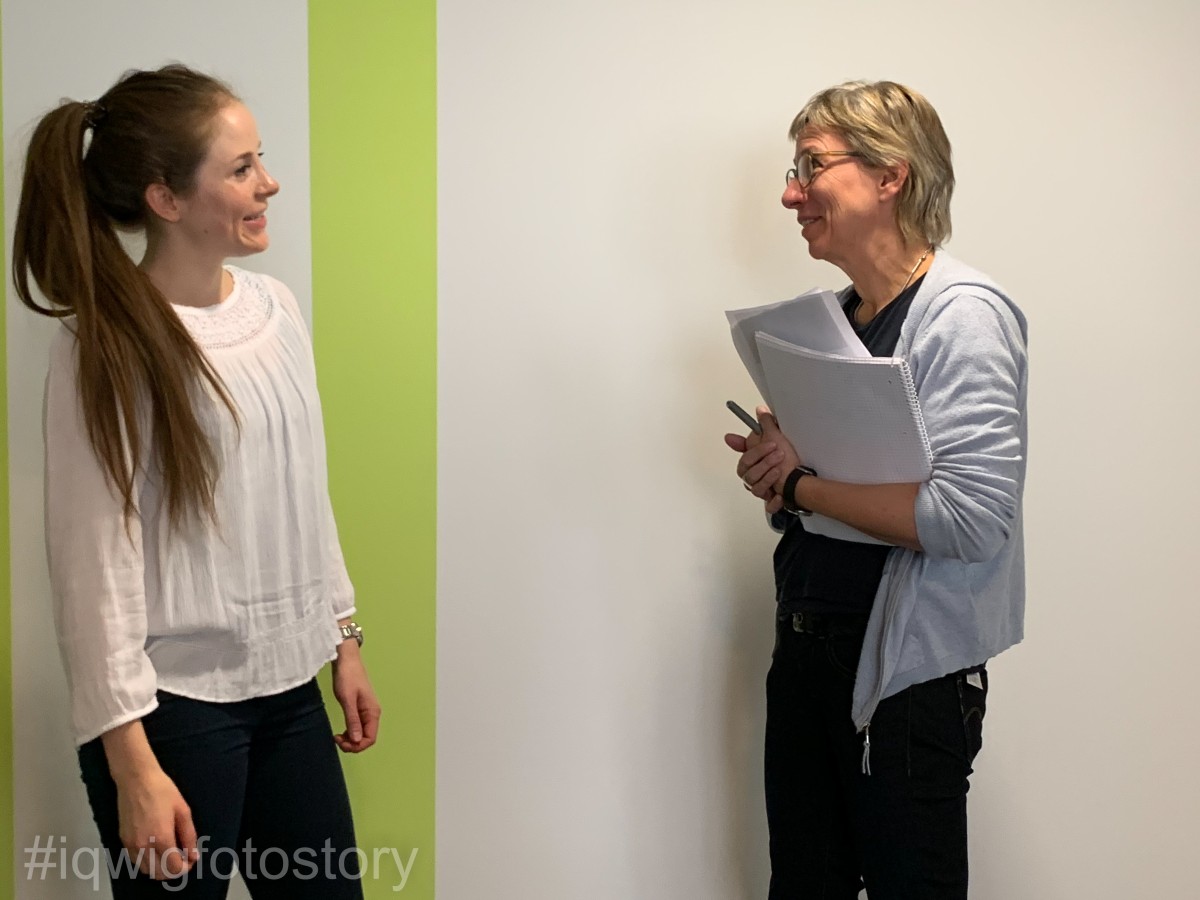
pixel 225 212
pixel 842 201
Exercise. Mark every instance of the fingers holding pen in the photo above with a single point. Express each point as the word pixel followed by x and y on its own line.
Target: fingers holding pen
pixel 763 456
pixel 755 456
pixel 760 468
pixel 768 422
pixel 773 435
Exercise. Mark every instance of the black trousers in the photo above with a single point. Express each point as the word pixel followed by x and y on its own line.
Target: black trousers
pixel 266 792
pixel 900 831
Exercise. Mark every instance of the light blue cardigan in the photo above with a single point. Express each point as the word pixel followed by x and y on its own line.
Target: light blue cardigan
pixel 962 600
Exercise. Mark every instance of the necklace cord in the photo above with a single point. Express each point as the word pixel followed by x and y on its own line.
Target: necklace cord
pixel 907 281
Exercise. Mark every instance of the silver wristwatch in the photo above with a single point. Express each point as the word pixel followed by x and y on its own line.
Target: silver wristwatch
pixel 351 630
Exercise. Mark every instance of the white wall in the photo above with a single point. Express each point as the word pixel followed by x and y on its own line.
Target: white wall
pixel 54 49
pixel 610 175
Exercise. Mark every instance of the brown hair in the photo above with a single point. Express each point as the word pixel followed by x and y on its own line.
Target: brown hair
pixel 886 123
pixel 135 356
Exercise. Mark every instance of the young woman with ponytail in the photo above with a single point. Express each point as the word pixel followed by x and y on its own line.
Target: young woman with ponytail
pixel 197 577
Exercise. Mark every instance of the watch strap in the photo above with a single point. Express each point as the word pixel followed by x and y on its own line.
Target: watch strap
pixel 789 491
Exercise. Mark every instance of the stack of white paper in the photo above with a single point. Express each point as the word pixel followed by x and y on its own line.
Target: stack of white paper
pixel 814 320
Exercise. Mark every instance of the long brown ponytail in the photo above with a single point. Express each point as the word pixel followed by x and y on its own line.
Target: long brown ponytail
pixel 133 351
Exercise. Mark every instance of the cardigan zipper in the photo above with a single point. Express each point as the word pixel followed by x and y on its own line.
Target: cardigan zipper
pixel 888 608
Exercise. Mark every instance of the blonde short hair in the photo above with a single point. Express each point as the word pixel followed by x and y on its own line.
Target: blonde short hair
pixel 887 123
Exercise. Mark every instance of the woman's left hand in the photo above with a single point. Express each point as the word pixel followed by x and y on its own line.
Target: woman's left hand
pixel 353 691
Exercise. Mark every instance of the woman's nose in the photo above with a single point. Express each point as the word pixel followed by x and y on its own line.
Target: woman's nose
pixel 793 194
pixel 269 186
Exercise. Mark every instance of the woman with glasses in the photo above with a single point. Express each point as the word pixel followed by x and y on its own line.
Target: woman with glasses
pixel 877 689
pixel 197 577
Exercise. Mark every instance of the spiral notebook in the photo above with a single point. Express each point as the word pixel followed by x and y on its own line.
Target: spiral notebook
pixel 853 419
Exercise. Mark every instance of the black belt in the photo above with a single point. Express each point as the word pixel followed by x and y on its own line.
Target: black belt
pixel 827 624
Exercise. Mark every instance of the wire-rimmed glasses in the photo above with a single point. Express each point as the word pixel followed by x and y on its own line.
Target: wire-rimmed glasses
pixel 804 172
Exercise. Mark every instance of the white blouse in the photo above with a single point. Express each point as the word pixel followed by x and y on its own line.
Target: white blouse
pixel 244 608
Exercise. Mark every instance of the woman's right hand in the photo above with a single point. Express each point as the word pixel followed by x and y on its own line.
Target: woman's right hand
pixel 757 465
pixel 155 821
pixel 156 825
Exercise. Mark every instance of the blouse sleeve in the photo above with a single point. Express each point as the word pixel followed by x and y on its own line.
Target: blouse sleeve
pixel 96 567
pixel 339 588
pixel 341 591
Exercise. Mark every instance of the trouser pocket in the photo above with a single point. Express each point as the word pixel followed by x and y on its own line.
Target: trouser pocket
pixel 972 702
pixel 843 652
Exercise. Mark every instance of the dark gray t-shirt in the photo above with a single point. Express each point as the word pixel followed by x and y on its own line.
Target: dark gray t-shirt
pixel 814 573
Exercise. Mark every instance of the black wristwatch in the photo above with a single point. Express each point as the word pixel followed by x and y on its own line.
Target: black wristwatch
pixel 789 491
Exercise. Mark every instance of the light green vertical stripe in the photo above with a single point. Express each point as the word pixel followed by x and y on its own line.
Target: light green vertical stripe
pixel 372 82
pixel 7 850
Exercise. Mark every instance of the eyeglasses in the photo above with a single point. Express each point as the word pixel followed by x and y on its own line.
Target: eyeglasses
pixel 803 172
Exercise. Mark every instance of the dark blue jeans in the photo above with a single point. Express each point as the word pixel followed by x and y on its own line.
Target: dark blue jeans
pixel 263 771
pixel 900 831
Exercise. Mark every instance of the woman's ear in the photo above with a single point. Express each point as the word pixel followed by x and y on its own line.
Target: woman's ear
pixel 163 203
pixel 892 179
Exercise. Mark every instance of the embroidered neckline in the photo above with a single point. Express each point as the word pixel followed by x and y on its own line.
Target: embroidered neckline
pixel 236 320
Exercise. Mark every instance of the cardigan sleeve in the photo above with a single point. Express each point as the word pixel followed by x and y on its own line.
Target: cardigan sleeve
pixel 96 567
pixel 969 361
